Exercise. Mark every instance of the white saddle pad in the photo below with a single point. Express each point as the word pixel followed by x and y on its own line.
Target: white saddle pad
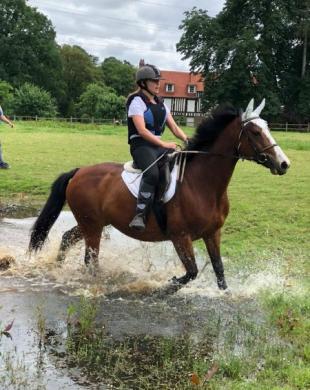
pixel 132 181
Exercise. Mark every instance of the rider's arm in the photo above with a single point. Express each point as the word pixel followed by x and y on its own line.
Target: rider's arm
pixel 147 135
pixel 175 128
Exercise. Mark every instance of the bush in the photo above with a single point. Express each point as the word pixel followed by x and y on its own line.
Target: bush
pixel 31 100
pixel 6 96
pixel 100 102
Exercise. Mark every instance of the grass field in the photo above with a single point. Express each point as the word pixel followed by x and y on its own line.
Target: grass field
pixel 269 219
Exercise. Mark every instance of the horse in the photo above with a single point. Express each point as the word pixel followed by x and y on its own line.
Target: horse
pixel 97 195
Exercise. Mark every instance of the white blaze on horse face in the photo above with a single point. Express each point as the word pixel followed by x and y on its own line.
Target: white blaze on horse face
pixel 279 154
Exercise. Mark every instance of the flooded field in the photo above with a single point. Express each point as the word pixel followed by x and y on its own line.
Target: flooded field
pixel 135 307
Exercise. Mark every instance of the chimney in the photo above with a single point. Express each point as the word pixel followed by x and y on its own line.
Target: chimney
pixel 141 63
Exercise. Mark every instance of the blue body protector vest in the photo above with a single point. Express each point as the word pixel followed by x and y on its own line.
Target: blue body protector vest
pixel 154 116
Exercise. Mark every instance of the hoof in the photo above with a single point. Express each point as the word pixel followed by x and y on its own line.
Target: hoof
pixel 222 284
pixel 181 281
pixel 6 262
pixel 60 259
pixel 175 281
pixel 92 269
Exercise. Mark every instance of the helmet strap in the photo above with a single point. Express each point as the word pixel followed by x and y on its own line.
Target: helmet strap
pixel 142 85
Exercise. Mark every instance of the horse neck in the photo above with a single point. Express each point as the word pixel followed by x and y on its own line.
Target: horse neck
pixel 215 170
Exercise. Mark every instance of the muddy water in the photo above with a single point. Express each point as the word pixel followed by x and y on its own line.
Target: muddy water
pixel 131 286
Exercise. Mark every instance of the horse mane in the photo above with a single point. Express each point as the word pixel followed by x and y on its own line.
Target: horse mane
pixel 211 127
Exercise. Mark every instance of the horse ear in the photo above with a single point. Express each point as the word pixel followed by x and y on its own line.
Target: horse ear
pixel 259 109
pixel 249 108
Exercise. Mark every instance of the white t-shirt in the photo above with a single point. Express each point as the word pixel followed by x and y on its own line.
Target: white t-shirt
pixel 138 107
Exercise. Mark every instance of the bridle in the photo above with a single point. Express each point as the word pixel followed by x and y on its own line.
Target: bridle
pixel 260 156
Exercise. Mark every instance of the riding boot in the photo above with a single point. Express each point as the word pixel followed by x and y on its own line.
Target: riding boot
pixel 144 204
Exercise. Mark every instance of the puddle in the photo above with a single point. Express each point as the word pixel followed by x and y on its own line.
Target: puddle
pixel 131 289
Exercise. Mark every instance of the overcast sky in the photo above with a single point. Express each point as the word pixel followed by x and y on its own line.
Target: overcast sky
pixel 126 29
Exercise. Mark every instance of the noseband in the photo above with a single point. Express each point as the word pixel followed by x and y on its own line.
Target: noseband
pixel 260 156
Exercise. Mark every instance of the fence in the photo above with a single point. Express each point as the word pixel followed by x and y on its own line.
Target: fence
pixel 298 127
pixel 70 119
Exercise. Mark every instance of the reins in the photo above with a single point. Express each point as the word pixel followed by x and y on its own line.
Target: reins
pixel 181 160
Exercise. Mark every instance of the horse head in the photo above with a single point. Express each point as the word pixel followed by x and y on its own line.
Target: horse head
pixel 256 142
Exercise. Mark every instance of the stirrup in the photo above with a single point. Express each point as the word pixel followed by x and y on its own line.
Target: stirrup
pixel 137 223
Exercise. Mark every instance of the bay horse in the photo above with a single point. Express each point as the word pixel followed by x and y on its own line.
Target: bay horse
pixel 98 196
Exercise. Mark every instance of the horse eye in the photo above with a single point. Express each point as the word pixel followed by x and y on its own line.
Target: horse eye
pixel 256 133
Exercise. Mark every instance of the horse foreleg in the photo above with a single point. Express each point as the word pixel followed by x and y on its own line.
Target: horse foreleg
pixel 184 248
pixel 213 248
pixel 69 238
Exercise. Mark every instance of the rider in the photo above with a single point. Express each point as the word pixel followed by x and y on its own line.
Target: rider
pixel 147 115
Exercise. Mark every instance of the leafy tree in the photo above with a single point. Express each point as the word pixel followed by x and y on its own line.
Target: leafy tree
pixel 28 51
pixel 119 75
pixel 31 100
pixel 101 102
pixel 249 49
pixel 79 70
pixel 6 96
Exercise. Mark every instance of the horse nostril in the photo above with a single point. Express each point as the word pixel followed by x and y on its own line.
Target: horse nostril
pixel 284 165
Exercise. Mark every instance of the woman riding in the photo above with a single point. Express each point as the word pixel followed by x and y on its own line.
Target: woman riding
pixel 147 116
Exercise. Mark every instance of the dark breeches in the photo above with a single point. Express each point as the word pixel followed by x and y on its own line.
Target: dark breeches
pixel 144 156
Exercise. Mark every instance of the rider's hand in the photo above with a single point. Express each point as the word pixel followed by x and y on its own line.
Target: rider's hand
pixel 170 145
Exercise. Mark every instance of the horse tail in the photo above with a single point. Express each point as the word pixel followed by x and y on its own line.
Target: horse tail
pixel 50 211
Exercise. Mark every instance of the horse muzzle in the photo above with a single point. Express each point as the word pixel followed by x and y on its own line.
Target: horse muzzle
pixel 276 166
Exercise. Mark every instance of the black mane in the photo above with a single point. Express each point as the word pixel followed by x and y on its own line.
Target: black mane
pixel 210 128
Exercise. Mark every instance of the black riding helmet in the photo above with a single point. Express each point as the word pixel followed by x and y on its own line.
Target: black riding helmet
pixel 147 72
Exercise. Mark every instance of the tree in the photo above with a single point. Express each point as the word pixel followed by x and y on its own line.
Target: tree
pixel 6 96
pixel 28 51
pixel 119 75
pixel 101 102
pixel 31 100
pixel 249 49
pixel 79 70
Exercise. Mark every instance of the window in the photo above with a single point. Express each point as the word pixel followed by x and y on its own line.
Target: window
pixel 169 87
pixel 191 88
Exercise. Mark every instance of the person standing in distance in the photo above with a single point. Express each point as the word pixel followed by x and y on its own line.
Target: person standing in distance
pixel 3 118
pixel 147 116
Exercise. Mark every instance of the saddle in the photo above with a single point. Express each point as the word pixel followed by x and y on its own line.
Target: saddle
pixel 167 178
pixel 171 173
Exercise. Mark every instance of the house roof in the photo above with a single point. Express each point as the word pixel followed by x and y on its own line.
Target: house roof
pixel 180 80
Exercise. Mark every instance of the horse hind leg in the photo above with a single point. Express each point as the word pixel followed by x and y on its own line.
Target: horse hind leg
pixel 69 238
pixel 92 235
pixel 184 248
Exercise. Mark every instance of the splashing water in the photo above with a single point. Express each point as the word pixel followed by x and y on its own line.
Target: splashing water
pixel 126 266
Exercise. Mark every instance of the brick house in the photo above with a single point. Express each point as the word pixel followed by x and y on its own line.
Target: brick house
pixel 182 93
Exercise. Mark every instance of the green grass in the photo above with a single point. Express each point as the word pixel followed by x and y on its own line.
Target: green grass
pixel 244 354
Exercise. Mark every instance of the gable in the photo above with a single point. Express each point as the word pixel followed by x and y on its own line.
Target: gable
pixel 180 84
